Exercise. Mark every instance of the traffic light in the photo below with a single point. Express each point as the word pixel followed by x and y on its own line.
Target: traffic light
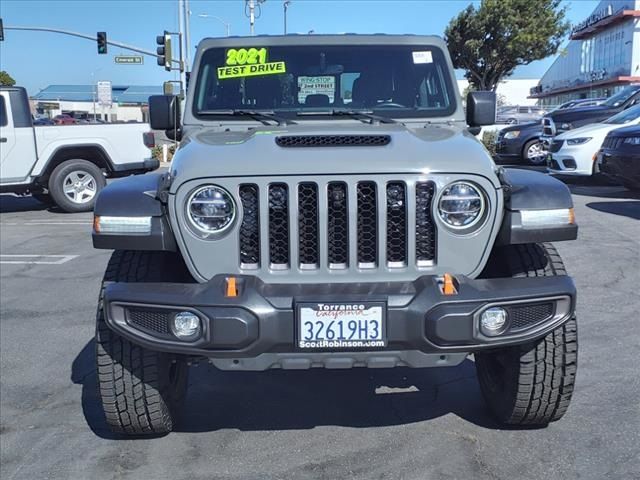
pixel 1 31
pixel 102 43
pixel 164 51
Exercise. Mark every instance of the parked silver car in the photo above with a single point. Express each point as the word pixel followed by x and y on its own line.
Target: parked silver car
pixel 519 114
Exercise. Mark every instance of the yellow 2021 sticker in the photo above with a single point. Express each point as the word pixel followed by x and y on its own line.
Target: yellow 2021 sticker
pixel 255 70
pixel 246 56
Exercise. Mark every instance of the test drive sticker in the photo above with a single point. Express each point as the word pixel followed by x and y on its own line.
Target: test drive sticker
pixel 248 62
pixel 422 57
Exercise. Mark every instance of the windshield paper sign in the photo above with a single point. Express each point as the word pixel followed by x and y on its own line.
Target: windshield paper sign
pixel 325 85
pixel 249 62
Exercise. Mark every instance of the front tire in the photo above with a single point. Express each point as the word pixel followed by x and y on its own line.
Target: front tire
pixel 533 153
pixel 141 390
pixel 75 184
pixel 531 384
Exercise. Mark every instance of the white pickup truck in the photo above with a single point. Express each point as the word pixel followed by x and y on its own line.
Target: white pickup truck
pixel 65 165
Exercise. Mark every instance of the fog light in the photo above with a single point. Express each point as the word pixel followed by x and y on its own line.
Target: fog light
pixel 493 320
pixel 186 326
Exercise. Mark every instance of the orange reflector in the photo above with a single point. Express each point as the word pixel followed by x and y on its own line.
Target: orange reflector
pixel 96 223
pixel 232 287
pixel 572 216
pixel 448 285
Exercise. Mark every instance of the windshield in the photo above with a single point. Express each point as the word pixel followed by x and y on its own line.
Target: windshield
pixel 625 116
pixel 622 96
pixel 394 81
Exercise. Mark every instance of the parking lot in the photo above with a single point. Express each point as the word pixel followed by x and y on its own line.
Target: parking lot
pixel 364 424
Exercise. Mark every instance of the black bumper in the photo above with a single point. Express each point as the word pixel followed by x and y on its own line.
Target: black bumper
pixel 261 319
pixel 125 169
pixel 621 167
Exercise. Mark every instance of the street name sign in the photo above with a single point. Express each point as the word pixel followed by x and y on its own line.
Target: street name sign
pixel 129 59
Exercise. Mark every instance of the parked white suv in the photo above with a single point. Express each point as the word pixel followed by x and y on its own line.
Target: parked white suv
pixel 574 152
pixel 65 165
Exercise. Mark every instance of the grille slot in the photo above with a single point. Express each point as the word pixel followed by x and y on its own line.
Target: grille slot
pixel 425 226
pixel 525 316
pixel 396 224
pixel 367 225
pixel 556 145
pixel 338 226
pixel 289 141
pixel 250 227
pixel 308 225
pixel 279 226
pixel 156 321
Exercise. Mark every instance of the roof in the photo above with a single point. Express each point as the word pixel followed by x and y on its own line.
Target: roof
pixel 138 94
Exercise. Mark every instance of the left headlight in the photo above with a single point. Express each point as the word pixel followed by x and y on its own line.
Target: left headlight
pixel 210 210
pixel 462 205
pixel 511 134
pixel 578 141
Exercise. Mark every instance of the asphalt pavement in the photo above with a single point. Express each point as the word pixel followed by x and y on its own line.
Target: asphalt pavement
pixel 361 424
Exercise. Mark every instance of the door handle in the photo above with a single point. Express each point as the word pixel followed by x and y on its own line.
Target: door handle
pixel 3 140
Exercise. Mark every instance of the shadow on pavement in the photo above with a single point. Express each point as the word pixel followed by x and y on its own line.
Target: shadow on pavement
pixel 603 191
pixel 624 208
pixel 12 204
pixel 292 400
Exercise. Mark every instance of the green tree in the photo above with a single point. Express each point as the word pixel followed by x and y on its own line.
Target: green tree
pixel 491 41
pixel 6 79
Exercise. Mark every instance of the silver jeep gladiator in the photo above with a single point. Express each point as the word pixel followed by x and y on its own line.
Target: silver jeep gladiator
pixel 330 207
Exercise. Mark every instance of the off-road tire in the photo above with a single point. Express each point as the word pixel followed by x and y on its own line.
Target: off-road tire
pixel 531 384
pixel 56 184
pixel 141 390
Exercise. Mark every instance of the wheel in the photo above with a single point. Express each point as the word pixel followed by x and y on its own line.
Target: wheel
pixel 534 153
pixel 75 184
pixel 141 390
pixel 531 383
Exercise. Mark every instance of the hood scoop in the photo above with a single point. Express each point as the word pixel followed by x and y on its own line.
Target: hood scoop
pixel 297 141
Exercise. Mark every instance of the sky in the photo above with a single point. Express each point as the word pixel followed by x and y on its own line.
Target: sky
pixel 38 59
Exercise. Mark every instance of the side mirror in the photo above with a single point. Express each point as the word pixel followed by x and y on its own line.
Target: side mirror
pixel 481 108
pixel 164 114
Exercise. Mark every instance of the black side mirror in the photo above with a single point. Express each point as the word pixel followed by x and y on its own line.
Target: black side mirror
pixel 481 108
pixel 164 114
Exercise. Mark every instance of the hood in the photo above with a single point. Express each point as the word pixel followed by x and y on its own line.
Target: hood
pixel 628 131
pixel 580 113
pixel 523 126
pixel 437 148
pixel 588 130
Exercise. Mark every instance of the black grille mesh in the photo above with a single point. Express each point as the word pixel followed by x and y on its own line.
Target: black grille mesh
pixel 278 224
pixel 524 316
pixel 308 223
pixel 153 320
pixel 612 142
pixel 396 223
pixel 367 223
pixel 556 145
pixel 333 140
pixel 250 227
pixel 425 227
pixel 338 228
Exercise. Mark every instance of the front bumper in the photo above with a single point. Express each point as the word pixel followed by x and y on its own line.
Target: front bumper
pixel 256 330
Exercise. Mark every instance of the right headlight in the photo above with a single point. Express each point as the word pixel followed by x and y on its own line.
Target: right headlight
pixel 462 205
pixel 210 210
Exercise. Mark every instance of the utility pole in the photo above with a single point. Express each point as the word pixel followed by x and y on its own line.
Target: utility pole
pixel 285 5
pixel 252 15
pixel 187 36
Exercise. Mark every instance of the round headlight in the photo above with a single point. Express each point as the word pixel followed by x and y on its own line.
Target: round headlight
pixel 210 210
pixel 461 205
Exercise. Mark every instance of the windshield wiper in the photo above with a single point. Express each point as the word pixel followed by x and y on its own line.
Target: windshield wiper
pixel 263 117
pixel 365 116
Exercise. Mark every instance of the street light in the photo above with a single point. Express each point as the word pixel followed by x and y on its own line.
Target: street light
pixel 226 24
pixel 285 6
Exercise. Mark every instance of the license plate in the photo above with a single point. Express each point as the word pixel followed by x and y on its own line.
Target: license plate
pixel 341 325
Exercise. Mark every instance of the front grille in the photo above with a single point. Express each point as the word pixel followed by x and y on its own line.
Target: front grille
pixel 156 321
pixel 525 316
pixel 556 145
pixel 612 142
pixel 335 225
pixel 333 141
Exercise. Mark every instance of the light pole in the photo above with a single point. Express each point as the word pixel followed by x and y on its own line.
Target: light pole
pixel 93 90
pixel 285 6
pixel 227 25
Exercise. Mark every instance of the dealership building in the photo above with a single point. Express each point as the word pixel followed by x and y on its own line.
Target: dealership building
pixel 126 103
pixel 601 58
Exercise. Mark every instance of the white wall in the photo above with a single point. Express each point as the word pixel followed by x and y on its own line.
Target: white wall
pixel 514 90
pixel 123 113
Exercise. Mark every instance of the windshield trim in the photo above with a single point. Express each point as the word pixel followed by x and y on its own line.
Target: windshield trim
pixel 451 113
